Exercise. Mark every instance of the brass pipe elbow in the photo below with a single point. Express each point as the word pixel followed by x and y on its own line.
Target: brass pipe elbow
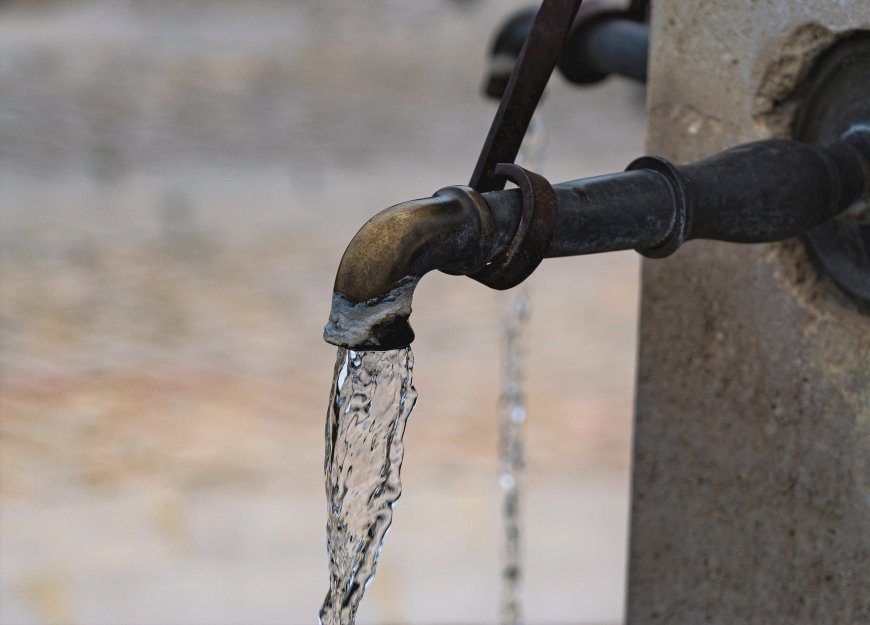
pixel 452 231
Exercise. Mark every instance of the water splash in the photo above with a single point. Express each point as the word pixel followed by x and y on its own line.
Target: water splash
pixel 371 400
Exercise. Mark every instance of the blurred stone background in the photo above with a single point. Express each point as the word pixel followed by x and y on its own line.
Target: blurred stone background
pixel 178 180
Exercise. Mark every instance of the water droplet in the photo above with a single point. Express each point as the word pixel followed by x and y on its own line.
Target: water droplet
pixel 518 413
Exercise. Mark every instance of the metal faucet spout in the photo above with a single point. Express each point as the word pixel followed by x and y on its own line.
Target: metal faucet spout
pixel 764 191
pixel 371 302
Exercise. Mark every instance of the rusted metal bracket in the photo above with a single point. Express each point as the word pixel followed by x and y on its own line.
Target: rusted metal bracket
pixel 536 62
pixel 533 235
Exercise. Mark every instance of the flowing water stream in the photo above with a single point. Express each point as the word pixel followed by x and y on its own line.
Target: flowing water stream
pixel 512 415
pixel 512 410
pixel 372 397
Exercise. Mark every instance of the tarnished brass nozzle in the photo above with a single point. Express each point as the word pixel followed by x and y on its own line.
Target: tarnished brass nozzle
pixel 371 302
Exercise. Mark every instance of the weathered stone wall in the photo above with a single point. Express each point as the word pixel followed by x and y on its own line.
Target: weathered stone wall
pixel 751 482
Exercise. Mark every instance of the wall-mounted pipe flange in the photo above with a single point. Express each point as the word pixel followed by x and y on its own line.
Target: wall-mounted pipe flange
pixel 836 106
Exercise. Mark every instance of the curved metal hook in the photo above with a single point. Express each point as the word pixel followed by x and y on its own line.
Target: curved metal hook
pixel 533 236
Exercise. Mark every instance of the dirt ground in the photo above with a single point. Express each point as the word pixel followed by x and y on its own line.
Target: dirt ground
pixel 178 181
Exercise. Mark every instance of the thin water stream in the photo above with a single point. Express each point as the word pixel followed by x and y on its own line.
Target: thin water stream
pixel 372 397
pixel 512 410
pixel 512 415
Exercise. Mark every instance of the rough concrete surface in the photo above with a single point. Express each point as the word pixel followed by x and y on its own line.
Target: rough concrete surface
pixel 178 180
pixel 751 478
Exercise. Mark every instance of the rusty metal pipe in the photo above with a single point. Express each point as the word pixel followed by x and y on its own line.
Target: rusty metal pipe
pixel 762 191
pixel 459 230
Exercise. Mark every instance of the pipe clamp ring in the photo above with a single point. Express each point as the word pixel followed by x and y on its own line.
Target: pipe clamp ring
pixel 534 233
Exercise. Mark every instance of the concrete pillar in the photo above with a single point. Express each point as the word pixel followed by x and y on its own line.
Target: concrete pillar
pixel 751 478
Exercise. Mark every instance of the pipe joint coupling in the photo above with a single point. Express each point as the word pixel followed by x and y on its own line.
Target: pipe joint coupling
pixel 682 222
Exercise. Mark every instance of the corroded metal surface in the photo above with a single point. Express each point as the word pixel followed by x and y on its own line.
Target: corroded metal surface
pixel 452 231
pixel 759 192
pixel 533 235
